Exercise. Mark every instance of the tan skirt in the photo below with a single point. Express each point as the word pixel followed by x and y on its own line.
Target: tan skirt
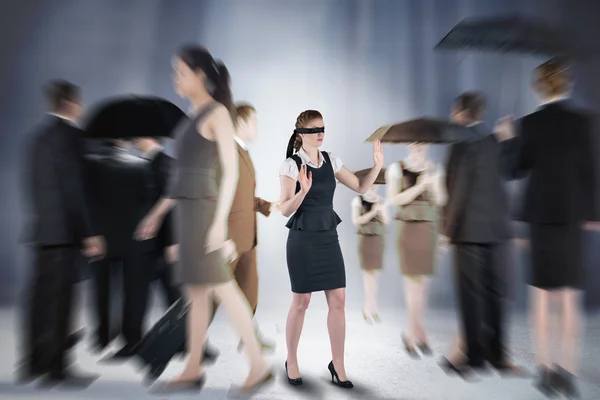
pixel 370 252
pixel 417 246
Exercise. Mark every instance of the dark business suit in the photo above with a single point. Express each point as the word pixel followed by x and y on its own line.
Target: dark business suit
pixel 120 198
pixel 554 147
pixel 160 167
pixel 58 221
pixel 476 220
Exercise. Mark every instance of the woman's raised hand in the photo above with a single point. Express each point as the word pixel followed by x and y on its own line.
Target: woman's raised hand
pixel 377 154
pixel 305 179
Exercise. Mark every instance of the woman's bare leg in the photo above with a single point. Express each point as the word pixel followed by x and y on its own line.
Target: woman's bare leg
pixel 420 307
pixel 240 315
pixel 293 330
pixel 370 280
pixel 572 322
pixel 198 315
pixel 539 319
pixel 411 294
pixel 336 324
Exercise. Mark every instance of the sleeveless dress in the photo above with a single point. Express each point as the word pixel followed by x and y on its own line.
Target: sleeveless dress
pixel 313 253
pixel 371 241
pixel 195 186
pixel 417 229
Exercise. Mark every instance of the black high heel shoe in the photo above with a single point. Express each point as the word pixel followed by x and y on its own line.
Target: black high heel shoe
pixel 293 382
pixel 412 353
pixel 336 379
pixel 461 370
pixel 425 349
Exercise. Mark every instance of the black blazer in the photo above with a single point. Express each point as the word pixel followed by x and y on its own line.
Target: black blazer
pixel 118 197
pixel 477 208
pixel 54 186
pixel 554 147
pixel 160 167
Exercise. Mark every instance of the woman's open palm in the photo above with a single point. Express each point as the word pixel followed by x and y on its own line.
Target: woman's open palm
pixel 377 154
pixel 305 179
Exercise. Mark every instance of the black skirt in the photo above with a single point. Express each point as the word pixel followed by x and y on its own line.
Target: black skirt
pixel 315 261
pixel 556 255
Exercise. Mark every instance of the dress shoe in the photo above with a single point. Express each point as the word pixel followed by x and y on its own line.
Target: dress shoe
pixel 335 379
pixel 546 382
pixel 564 382
pixel 124 354
pixel 68 379
pixel 74 338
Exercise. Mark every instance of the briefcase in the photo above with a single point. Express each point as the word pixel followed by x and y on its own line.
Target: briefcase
pixel 164 340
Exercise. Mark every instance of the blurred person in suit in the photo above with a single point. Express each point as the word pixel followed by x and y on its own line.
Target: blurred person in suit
pixel 554 147
pixel 476 222
pixel 242 218
pixel 160 165
pixel 120 196
pixel 60 226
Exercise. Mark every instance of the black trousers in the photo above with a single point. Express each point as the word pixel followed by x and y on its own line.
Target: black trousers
pixel 135 271
pixel 481 292
pixel 48 308
pixel 169 292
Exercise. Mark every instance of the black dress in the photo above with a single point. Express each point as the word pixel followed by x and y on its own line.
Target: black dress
pixel 314 257
pixel 558 199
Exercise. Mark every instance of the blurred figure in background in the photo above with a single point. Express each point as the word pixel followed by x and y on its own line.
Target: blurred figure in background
pixel 60 224
pixel 554 147
pixel 416 187
pixel 370 216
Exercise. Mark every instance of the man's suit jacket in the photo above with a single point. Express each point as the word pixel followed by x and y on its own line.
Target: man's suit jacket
pixel 477 208
pixel 554 146
pixel 242 218
pixel 119 198
pixel 54 184
pixel 160 167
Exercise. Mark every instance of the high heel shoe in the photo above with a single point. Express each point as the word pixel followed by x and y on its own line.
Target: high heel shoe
pixel 410 349
pixel 181 386
pixel 461 370
pixel 336 379
pixel 294 381
pixel 425 349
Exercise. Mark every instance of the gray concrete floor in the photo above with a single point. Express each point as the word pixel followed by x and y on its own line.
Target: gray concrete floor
pixel 375 362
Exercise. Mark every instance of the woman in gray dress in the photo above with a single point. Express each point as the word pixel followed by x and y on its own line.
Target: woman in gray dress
pixel 416 187
pixel 205 150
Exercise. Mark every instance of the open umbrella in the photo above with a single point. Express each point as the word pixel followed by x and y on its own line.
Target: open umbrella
pixel 133 116
pixel 511 34
pixel 425 130
pixel 363 172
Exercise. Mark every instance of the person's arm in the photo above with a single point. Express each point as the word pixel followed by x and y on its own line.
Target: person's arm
pixel 223 133
pixel 516 150
pixel 438 187
pixel 357 218
pixel 69 162
pixel 587 169
pixel 262 206
pixel 463 167
pixel 350 180
pixel 396 196
pixel 289 200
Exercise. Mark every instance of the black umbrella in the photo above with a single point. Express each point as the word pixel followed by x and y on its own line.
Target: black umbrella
pixel 425 130
pixel 511 34
pixel 380 180
pixel 133 116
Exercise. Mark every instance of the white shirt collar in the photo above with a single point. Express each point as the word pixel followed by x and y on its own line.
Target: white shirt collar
pixel 67 120
pixel 473 124
pixel 306 159
pixel 555 100
pixel 240 142
pixel 150 154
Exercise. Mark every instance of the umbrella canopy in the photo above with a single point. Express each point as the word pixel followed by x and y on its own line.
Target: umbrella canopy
pixel 132 116
pixel 510 34
pixel 425 130
pixel 380 178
